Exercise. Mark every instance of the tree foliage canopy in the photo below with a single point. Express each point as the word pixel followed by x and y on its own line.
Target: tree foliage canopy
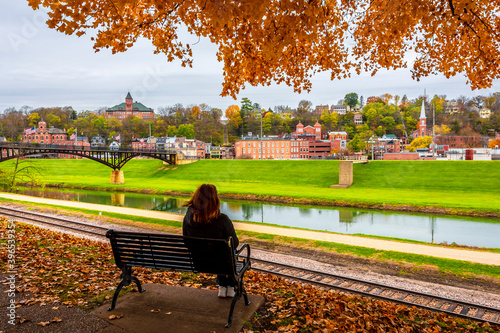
pixel 288 41
pixel 351 99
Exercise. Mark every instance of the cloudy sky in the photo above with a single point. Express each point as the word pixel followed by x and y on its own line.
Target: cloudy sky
pixel 42 67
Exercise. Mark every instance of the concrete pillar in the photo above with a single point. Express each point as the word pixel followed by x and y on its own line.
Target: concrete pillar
pixel 345 175
pixel 117 177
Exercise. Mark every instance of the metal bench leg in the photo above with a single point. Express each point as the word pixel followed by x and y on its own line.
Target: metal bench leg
pixel 233 303
pixel 115 296
pixel 138 283
pixel 127 278
pixel 244 292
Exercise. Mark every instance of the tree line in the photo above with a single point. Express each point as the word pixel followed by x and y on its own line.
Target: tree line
pixel 385 114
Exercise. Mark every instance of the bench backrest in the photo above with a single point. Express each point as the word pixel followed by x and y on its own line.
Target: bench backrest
pixel 181 253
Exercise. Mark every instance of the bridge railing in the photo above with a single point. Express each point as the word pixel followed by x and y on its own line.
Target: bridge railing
pixel 17 145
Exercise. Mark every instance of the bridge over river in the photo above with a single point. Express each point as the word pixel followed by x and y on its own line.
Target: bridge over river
pixel 113 158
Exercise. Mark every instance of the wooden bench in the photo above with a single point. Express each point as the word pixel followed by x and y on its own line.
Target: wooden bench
pixel 179 253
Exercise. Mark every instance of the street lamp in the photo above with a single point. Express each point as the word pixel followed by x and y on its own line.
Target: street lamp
pixel 223 120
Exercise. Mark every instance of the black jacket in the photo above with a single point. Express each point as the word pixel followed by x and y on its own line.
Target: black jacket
pixel 220 228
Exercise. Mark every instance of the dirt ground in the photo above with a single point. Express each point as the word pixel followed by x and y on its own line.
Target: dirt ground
pixel 427 274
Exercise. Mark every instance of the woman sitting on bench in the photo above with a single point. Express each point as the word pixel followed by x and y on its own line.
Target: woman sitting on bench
pixel 204 219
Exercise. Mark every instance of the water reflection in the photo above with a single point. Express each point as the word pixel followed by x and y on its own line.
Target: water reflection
pixel 472 232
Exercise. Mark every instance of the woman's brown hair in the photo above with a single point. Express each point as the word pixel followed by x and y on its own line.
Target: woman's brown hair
pixel 205 204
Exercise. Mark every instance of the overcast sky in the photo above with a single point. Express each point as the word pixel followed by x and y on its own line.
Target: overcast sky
pixel 42 67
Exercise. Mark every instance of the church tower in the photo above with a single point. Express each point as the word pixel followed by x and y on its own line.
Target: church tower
pixel 422 126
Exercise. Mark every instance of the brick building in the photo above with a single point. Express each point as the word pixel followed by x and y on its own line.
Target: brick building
pixel 305 143
pixel 79 141
pixel 457 141
pixel 44 135
pixel 309 132
pixel 389 143
pixel 144 143
pixel 299 149
pixel 49 136
pixel 128 109
pixel 338 140
pixel 318 111
pixel 271 149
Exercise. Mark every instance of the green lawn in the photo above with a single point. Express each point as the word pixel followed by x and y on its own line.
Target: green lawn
pixel 457 185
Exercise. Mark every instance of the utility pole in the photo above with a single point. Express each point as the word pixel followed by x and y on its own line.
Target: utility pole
pixel 433 130
pixel 261 134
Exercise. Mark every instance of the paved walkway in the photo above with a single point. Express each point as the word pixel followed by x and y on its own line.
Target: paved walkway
pixel 161 308
pixel 487 258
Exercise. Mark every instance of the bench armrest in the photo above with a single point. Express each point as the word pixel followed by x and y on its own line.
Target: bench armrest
pixel 241 249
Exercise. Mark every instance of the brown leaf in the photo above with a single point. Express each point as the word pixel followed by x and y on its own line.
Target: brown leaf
pixel 115 317
pixel 44 323
pixel 155 310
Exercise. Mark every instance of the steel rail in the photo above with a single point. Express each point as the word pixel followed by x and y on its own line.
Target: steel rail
pixel 382 288
pixel 20 213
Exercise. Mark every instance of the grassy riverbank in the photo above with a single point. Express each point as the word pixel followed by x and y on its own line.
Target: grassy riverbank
pixel 450 187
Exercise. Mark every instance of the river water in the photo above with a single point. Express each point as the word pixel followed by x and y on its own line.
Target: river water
pixel 432 229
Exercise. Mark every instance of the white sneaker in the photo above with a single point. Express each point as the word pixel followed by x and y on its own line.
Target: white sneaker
pixel 230 292
pixel 223 291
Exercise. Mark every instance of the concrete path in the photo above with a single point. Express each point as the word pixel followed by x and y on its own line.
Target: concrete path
pixel 487 258
pixel 161 308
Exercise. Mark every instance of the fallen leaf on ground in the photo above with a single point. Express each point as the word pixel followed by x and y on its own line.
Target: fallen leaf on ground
pixel 115 317
pixel 44 323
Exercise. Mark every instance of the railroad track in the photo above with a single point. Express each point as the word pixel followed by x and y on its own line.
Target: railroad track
pixel 434 303
pixel 38 218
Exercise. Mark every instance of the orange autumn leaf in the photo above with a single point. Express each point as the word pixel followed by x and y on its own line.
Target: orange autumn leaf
pixel 264 41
